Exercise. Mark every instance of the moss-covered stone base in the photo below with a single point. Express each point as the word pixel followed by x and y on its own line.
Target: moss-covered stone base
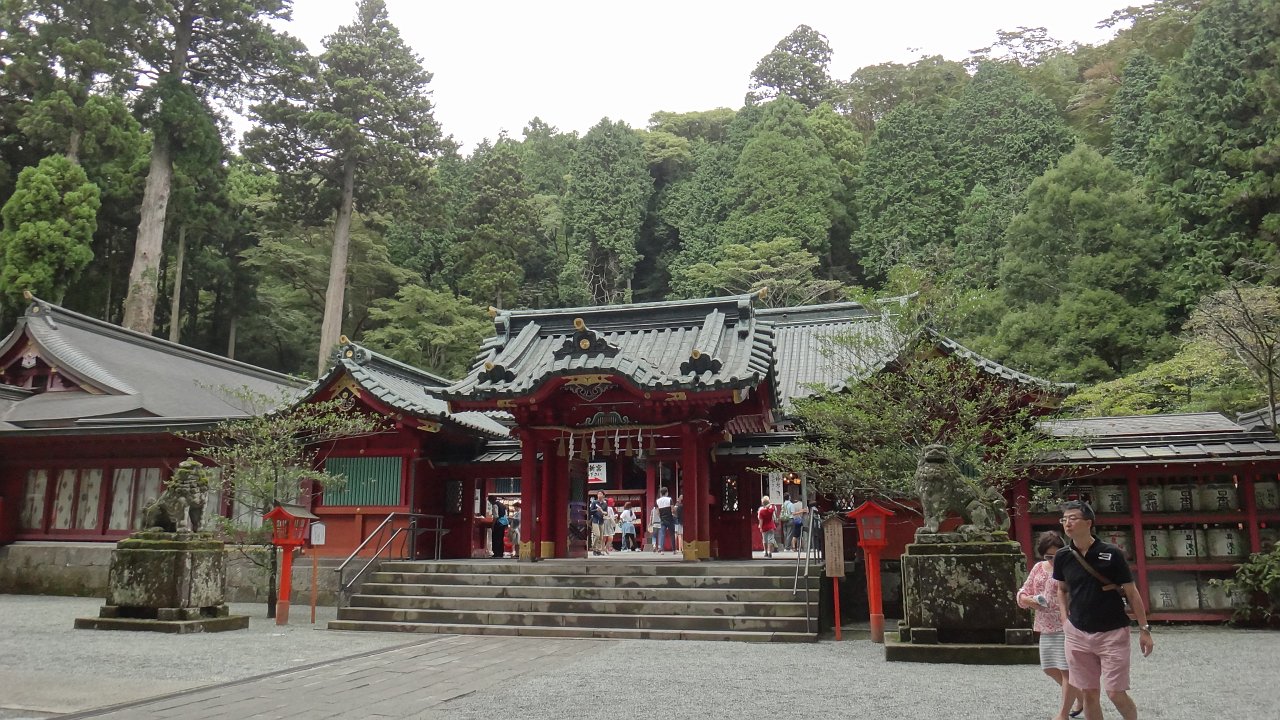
pixel 896 650
pixel 177 627
pixel 166 576
pixel 963 592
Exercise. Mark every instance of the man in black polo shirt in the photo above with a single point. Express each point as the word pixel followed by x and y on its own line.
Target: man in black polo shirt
pixel 1094 618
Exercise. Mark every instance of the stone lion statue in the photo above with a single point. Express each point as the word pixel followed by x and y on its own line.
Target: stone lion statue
pixel 943 490
pixel 180 508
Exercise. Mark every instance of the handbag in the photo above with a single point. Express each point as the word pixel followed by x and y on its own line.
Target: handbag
pixel 504 521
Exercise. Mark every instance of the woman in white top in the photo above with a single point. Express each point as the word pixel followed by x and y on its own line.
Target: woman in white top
pixel 609 528
pixel 628 520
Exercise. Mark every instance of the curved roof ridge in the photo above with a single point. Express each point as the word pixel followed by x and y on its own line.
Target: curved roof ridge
pixel 53 314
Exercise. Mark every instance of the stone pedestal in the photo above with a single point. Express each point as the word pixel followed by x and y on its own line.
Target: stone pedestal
pixel 166 582
pixel 959 590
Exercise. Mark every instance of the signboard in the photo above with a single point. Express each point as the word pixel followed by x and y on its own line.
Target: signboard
pixel 833 546
pixel 597 472
pixel 478 511
pixel 775 487
pixel 317 533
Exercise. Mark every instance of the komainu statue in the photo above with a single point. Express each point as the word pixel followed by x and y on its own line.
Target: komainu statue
pixel 180 508
pixel 943 490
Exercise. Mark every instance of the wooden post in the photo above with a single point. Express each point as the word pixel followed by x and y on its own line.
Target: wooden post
pixel 315 578
pixel 286 587
pixel 833 559
pixel 873 595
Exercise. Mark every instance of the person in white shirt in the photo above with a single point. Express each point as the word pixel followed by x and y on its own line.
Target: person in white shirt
pixel 667 528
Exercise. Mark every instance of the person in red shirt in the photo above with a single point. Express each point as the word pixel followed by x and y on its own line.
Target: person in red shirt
pixel 768 530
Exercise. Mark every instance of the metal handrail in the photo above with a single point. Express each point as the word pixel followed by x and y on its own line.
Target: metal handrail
pixel 344 586
pixel 811 519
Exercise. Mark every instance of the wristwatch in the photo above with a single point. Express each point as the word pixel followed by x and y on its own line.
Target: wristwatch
pixel 1144 628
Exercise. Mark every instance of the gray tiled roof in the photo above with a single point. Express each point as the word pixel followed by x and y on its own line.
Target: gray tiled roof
pixel 652 344
pixel 126 374
pixel 808 362
pixel 403 387
pixel 1173 438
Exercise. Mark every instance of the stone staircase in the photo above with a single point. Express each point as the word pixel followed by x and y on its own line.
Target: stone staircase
pixel 609 598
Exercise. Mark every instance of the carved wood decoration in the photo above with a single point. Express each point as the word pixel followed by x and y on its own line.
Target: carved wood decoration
pixel 589 393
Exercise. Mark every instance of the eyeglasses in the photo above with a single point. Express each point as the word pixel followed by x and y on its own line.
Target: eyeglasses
pixel 1071 518
pixel 1049 555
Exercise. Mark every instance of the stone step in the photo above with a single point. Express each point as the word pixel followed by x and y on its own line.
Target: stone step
pixel 546 580
pixel 574 592
pixel 574 632
pixel 612 607
pixel 575 620
pixel 752 568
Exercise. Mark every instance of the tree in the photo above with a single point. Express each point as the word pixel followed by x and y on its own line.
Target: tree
pixel 904 200
pixel 796 68
pixel 903 394
pixel 1133 117
pixel 364 115
pixel 608 194
pixel 784 184
pixel 1201 377
pixel 49 223
pixel 195 51
pixel 782 265
pixel 1244 320
pixel 276 453
pixel 498 258
pixel 1001 133
pixel 434 330
pixel 1214 159
pixel 875 90
pixel 1082 274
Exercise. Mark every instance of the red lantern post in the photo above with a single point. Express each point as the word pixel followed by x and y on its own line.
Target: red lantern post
pixel 871 519
pixel 289 531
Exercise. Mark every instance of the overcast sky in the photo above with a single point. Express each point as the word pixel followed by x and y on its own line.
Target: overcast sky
pixel 572 62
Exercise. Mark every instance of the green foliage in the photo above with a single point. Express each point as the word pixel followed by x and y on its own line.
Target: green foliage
pixel 875 90
pixel 796 68
pixel 782 265
pixel 1201 377
pixel 1001 133
pixel 276 451
pixel 605 208
pixel 1213 161
pixel 867 438
pixel 1082 274
pixel 784 184
pixel 49 223
pixel 979 238
pixel 1244 322
pixel 905 202
pixel 1257 585
pixel 1134 118
pixel 430 329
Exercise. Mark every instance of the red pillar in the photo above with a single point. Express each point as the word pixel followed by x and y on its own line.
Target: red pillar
pixel 544 536
pixel 693 490
pixel 529 488
pixel 651 469
pixel 1022 518
pixel 706 497
pixel 286 586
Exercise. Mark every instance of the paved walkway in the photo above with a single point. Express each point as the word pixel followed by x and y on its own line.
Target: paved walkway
pixel 270 672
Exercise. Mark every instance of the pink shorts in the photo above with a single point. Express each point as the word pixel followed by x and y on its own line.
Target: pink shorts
pixel 1095 659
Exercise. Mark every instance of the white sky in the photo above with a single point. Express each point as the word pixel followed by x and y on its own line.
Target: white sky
pixel 572 62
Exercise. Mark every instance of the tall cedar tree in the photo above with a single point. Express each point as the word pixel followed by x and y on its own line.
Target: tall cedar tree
pixel 1215 160
pixel 1083 274
pixel 196 51
pixel 784 185
pixel 366 111
pixel 609 192
pixel 48 227
pixel 1133 117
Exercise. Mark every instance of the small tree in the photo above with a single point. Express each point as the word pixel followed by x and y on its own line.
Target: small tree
pixel 276 453
pixel 1244 320
pixel 904 392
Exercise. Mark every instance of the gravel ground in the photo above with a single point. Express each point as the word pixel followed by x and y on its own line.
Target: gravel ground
pixel 1196 672
pixel 47 666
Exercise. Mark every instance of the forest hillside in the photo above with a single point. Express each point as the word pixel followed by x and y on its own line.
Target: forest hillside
pixel 1105 215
